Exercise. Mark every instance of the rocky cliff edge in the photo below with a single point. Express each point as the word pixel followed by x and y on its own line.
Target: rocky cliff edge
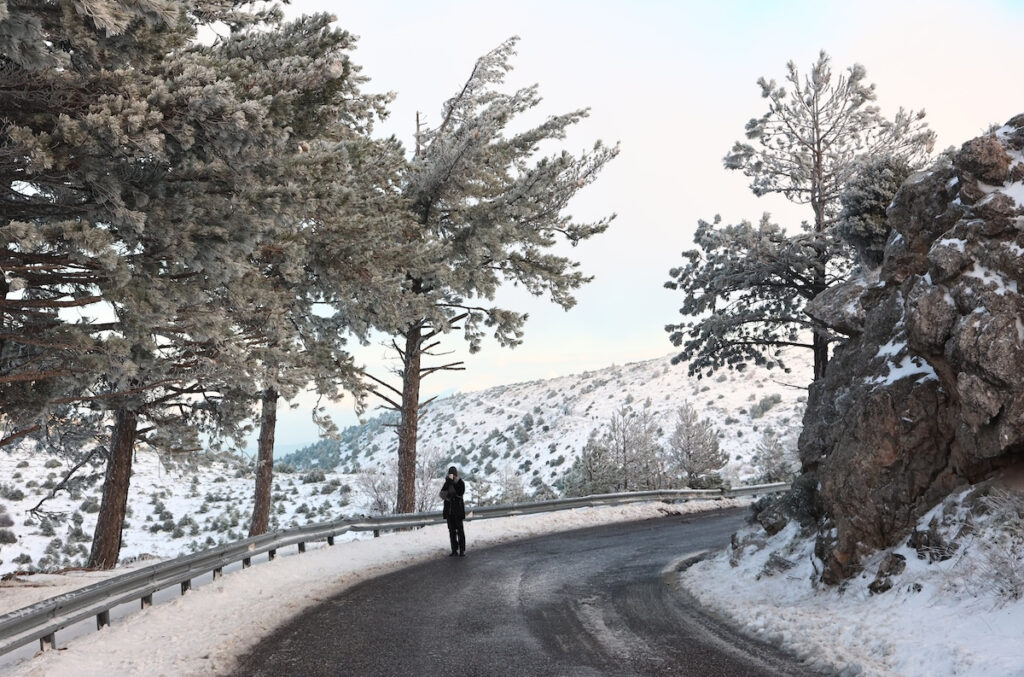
pixel 926 394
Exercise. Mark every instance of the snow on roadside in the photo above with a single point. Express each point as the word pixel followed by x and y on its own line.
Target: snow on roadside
pixel 203 631
pixel 951 617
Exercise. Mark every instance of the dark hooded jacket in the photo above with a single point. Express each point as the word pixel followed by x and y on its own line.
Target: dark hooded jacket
pixel 451 492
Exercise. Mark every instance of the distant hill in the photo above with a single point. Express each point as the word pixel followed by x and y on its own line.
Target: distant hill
pixel 535 429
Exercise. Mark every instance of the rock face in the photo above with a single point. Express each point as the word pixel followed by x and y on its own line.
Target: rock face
pixel 927 393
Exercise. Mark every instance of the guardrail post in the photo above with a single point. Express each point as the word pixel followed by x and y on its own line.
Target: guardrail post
pixel 218 572
pixel 330 540
pixel 271 554
pixel 302 547
pixel 102 619
pixel 147 601
pixel 186 586
pixel 246 562
pixel 48 642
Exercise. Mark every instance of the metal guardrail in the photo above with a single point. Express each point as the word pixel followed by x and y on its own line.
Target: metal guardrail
pixel 43 619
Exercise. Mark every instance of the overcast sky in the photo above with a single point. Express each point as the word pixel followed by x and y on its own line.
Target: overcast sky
pixel 674 83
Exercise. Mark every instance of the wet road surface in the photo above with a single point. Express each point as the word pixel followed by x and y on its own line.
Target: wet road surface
pixel 596 601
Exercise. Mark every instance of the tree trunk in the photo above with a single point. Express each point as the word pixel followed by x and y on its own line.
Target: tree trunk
pixel 820 341
pixel 820 354
pixel 264 464
pixel 106 540
pixel 408 426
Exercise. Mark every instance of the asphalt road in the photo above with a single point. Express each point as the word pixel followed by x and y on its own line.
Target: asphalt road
pixel 596 601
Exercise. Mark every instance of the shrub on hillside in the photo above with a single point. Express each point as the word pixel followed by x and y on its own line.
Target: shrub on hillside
pixel 1002 552
pixel 711 481
pixel 313 476
pixel 761 408
pixel 90 504
pixel 11 493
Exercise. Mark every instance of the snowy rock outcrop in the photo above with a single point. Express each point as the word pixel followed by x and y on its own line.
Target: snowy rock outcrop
pixel 928 392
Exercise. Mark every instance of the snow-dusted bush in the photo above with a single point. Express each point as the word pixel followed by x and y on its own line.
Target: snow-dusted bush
pixel 11 493
pixel 90 504
pixel 315 475
pixel 1000 565
pixel 761 408
pixel 380 489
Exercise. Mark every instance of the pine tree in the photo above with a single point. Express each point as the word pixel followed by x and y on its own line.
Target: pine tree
pixel 592 472
pixel 484 210
pixel 693 449
pixel 776 463
pixel 862 221
pixel 329 277
pixel 624 455
pixel 746 287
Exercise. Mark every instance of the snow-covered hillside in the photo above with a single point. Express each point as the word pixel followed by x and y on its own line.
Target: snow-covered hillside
pixel 535 429
pixel 173 508
pixel 530 432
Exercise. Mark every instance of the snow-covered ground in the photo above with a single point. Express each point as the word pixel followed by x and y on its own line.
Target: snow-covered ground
pixel 959 616
pixel 201 632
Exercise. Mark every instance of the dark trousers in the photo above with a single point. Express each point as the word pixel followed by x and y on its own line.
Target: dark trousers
pixel 457 535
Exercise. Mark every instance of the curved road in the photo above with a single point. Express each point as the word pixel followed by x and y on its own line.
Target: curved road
pixel 596 601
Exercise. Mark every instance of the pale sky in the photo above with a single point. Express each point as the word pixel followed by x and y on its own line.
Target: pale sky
pixel 673 83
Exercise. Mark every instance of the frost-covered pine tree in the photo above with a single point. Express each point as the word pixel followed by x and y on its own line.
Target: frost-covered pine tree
pixel 746 285
pixel 624 455
pixel 594 471
pixel 334 274
pixel 99 286
pixel 484 208
pixel 74 152
pixel 149 177
pixel 776 463
pixel 862 221
pixel 693 450
pixel 632 439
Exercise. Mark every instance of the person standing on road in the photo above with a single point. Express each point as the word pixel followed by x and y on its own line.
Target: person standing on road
pixel 455 510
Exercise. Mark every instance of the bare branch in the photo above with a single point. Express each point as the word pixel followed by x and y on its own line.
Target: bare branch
pixel 383 383
pixel 19 434
pixel 452 366
pixel 392 404
pixel 63 483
